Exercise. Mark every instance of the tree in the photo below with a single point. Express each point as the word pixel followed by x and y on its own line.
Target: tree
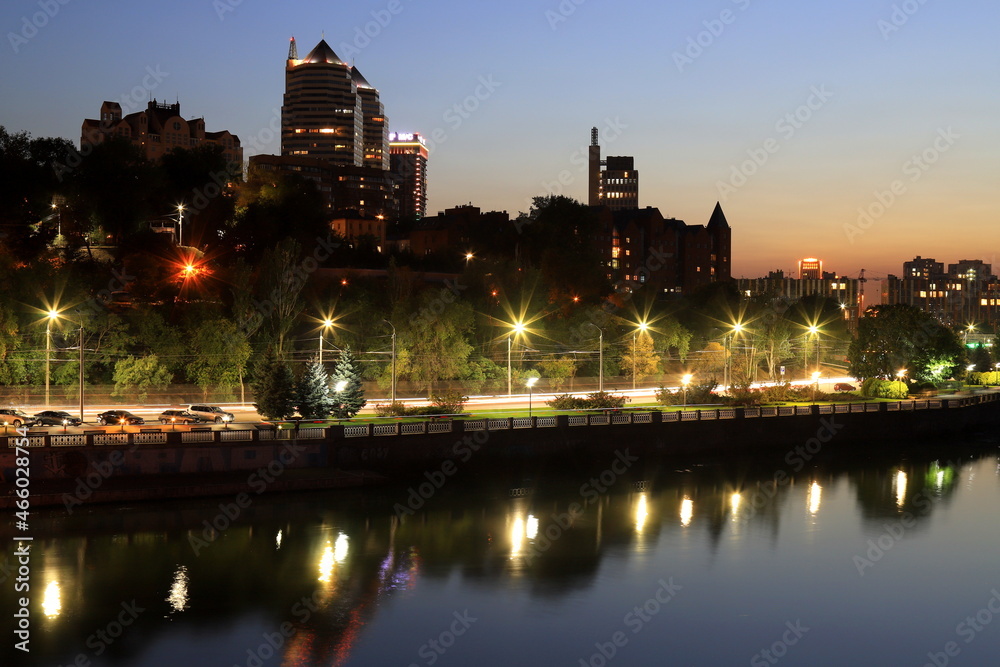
pixel 896 337
pixel 220 353
pixel 314 397
pixel 772 338
pixel 281 286
pixel 134 377
pixel 349 400
pixel 557 370
pixel 642 357
pixel 273 386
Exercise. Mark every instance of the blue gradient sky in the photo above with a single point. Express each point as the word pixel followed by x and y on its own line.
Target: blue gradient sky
pixel 556 73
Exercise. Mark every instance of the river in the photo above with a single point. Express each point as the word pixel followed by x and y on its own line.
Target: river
pixel 846 559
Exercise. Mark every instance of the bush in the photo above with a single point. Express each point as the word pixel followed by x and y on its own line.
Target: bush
pixel 449 403
pixel 598 400
pixel 878 388
pixel 697 394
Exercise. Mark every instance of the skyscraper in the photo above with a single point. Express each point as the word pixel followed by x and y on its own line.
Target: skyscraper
pixel 331 112
pixel 408 164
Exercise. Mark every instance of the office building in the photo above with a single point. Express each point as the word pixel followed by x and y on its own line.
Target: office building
pixel 408 164
pixel 616 185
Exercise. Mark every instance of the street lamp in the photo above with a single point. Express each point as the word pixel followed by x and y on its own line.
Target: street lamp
pixel 530 383
pixel 52 315
pixel 180 224
pixel 685 381
pixel 727 351
pixel 518 328
pixel 327 323
pixel 393 378
pixel 642 327
pixel 600 358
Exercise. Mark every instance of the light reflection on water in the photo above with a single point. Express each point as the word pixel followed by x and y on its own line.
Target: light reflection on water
pixel 344 586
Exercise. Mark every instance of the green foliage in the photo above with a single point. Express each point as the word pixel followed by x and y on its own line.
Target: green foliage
pixel 598 400
pixel 135 377
pixel 878 388
pixel 557 370
pixel 273 387
pixel 895 337
pixel 221 352
pixel 313 392
pixel 348 401
pixel 697 394
pixel 989 378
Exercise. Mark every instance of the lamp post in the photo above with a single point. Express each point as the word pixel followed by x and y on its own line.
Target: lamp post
pixel 685 381
pixel 600 358
pixel 327 323
pixel 180 224
pixel 642 327
pixel 52 315
pixel 393 377
pixel 530 383
pixel 815 377
pixel 727 351
pixel 518 328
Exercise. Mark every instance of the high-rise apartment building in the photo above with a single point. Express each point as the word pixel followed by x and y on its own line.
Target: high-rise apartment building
pixel 331 112
pixel 408 164
pixel 617 185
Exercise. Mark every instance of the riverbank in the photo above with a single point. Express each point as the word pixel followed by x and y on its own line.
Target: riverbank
pixel 74 470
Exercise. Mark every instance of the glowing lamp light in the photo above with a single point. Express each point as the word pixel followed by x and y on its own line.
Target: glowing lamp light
pixel 340 386
pixel 530 382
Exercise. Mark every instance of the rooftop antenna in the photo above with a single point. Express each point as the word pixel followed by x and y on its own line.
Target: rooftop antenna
pixel 293 51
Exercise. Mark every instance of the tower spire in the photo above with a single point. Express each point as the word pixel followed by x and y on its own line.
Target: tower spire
pixel 293 51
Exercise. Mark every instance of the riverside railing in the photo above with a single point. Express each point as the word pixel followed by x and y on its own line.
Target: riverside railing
pixel 606 418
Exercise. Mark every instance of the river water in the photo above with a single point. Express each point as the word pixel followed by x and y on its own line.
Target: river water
pixel 852 559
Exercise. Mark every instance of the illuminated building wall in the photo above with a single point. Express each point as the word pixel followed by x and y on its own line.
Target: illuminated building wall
pixel 408 164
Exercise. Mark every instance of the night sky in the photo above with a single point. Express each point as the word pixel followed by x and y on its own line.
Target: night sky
pixel 795 114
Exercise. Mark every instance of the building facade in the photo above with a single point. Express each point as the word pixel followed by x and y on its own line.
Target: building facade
pixel 640 247
pixel 846 291
pixel 967 294
pixel 331 112
pixel 408 164
pixel 613 182
pixel 157 130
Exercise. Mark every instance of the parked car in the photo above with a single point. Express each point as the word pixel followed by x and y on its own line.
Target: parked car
pixel 179 417
pixel 115 417
pixel 16 418
pixel 843 386
pixel 56 418
pixel 210 413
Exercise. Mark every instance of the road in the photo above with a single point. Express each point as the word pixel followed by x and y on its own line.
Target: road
pixel 246 415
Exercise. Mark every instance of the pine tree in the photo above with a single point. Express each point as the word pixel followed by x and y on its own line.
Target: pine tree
pixel 349 400
pixel 314 397
pixel 273 386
